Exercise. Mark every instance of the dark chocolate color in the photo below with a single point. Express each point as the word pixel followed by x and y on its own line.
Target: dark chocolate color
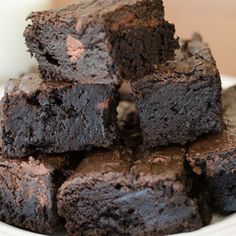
pixel 180 100
pixel 28 191
pixel 57 117
pixel 100 40
pixel 112 194
pixel 214 159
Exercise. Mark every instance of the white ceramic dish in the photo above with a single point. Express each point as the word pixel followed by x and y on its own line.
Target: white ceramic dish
pixel 221 226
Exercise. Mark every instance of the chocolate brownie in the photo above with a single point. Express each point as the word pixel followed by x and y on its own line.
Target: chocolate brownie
pixel 111 193
pixel 100 40
pixel 28 189
pixel 57 117
pixel 162 172
pixel 213 158
pixel 180 100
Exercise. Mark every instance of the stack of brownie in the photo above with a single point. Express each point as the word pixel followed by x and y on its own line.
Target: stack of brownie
pixel 80 152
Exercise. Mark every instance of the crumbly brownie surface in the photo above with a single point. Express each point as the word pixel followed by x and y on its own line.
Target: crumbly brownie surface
pixel 180 100
pixel 214 158
pixel 100 40
pixel 112 194
pixel 28 191
pixel 57 117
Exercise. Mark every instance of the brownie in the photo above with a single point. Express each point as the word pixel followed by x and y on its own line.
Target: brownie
pixel 213 159
pixel 114 193
pixel 28 189
pixel 57 117
pixel 180 100
pixel 161 172
pixel 100 40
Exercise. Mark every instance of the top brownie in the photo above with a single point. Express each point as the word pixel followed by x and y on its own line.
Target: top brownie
pixel 100 40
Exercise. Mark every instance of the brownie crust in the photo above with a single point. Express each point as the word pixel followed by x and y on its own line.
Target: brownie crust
pixel 102 40
pixel 180 100
pixel 57 117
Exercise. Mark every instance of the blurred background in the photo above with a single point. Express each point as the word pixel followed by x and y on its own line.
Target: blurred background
pixel 214 19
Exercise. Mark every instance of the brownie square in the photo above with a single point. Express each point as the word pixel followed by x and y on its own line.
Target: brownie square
pixel 180 100
pixel 100 40
pixel 57 117
pixel 213 159
pixel 112 194
pixel 28 189
pixel 84 198
pixel 162 173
